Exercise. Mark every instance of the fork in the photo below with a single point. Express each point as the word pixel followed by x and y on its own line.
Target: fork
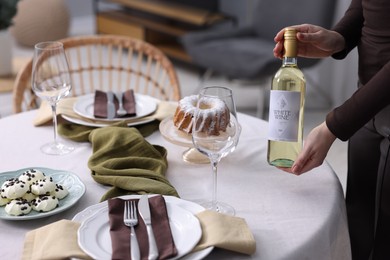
pixel 130 219
pixel 121 111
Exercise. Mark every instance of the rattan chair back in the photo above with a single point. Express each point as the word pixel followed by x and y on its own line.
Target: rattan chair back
pixel 107 62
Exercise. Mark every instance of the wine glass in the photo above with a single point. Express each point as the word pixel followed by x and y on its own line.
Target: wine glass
pixel 51 82
pixel 215 142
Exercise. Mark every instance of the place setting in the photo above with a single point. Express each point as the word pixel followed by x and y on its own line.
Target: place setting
pixel 178 229
pixel 94 110
pixel 104 108
pixel 51 81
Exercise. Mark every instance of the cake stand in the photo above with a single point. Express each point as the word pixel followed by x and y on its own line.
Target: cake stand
pixel 181 138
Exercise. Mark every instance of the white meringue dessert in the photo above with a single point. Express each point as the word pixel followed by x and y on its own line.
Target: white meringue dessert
pixel 18 207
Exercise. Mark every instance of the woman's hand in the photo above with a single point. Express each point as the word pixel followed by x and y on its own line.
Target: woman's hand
pixel 313 41
pixel 315 149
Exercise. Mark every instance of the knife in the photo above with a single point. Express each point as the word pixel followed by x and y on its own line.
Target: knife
pixel 110 105
pixel 143 207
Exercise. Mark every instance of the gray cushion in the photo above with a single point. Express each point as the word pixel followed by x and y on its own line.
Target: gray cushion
pixel 248 52
pixel 238 58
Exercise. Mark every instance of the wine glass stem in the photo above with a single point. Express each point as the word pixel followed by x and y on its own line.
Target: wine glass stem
pixel 54 112
pixel 214 194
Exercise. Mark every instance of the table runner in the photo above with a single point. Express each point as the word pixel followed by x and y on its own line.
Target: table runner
pixel 123 159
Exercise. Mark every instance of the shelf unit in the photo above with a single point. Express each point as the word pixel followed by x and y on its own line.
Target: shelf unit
pixel 160 23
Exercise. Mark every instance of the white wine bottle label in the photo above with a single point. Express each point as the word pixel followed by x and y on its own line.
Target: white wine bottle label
pixel 284 115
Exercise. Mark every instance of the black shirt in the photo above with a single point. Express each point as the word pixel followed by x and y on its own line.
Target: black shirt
pixel 365 25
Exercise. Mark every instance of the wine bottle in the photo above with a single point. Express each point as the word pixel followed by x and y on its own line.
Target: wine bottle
pixel 286 110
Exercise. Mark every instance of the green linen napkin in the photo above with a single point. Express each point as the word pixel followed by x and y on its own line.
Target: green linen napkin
pixel 123 159
pixel 80 133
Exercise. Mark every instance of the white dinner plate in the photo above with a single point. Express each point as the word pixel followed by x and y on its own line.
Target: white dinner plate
pixel 144 105
pixel 82 122
pixel 180 208
pixel 69 180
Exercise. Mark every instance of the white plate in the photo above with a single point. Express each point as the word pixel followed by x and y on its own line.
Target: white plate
pixel 144 105
pixel 172 134
pixel 69 180
pixel 82 122
pixel 187 206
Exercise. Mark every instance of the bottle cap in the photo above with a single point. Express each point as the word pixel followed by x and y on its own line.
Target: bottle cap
pixel 290 42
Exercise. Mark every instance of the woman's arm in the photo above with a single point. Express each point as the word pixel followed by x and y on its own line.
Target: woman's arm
pixel 350 27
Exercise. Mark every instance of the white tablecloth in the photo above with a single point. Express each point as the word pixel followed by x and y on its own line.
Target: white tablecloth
pixel 291 217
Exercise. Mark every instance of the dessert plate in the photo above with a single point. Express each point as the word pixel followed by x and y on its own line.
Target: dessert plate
pixel 144 105
pixel 181 217
pixel 69 180
pixel 174 135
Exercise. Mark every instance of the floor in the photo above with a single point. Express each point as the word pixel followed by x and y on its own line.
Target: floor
pixel 246 97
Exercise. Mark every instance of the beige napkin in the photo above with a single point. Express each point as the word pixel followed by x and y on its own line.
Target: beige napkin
pixel 226 232
pixel 222 231
pixel 54 241
pixel 65 107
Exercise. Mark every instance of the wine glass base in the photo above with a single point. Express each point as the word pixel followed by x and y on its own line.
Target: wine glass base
pixel 219 207
pixel 56 148
pixel 192 155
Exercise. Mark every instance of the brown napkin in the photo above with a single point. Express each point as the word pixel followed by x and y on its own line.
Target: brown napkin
pixel 120 233
pixel 100 104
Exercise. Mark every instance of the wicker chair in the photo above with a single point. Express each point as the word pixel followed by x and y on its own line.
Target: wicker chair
pixel 107 62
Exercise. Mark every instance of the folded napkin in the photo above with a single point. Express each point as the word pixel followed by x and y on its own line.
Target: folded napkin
pixel 57 240
pixel 222 231
pixel 120 233
pixel 100 104
pixel 65 107
pixel 123 159
pixel 226 232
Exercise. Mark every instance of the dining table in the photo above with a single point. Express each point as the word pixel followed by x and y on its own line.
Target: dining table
pixel 291 217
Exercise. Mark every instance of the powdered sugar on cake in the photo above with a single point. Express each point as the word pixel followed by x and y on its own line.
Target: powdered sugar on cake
pixel 213 115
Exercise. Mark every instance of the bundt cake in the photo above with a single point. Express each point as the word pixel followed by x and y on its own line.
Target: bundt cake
pixel 214 115
pixel 185 112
